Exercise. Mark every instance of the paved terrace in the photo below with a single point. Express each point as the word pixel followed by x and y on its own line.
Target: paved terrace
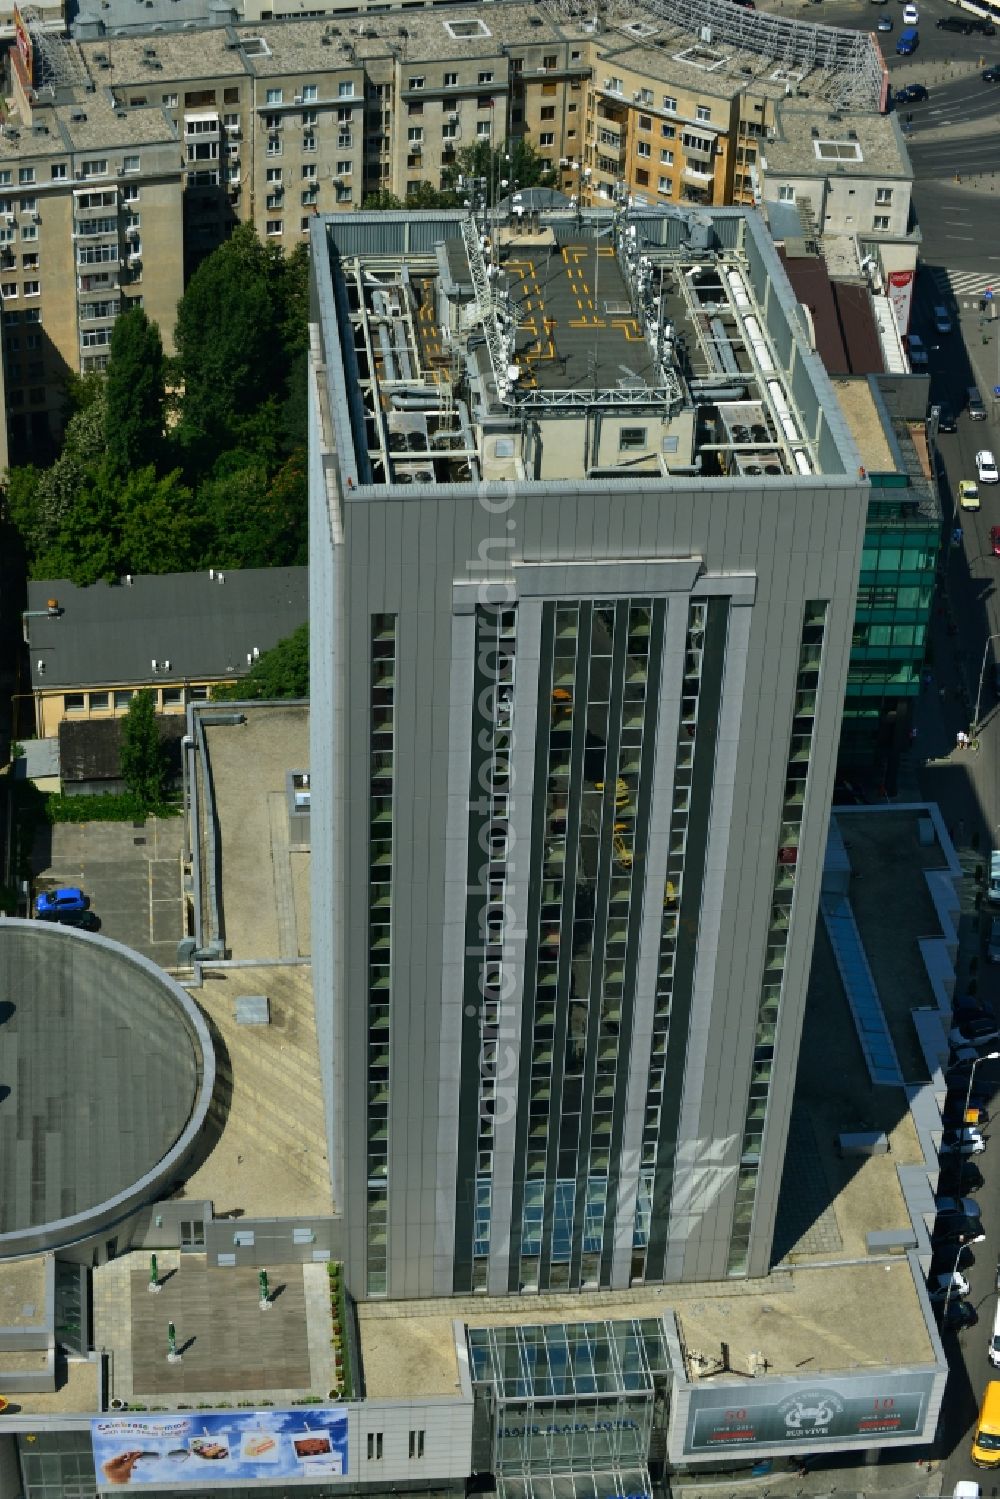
pixel 230 1348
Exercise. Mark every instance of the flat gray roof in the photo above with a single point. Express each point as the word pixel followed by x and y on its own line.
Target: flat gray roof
pixel 105 1078
pixel 812 142
pixel 194 626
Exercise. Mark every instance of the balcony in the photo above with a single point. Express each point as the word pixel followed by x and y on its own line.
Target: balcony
pixel 696 172
pixel 99 281
pixel 92 318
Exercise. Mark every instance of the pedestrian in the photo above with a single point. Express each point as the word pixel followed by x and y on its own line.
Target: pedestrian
pixel 943 693
pixel 961 740
pixel 928 678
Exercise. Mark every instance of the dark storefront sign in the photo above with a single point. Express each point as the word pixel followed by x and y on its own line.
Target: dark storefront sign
pixel 799 1415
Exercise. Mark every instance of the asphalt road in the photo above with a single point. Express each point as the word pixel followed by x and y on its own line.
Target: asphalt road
pixel 958 131
pixel 967 787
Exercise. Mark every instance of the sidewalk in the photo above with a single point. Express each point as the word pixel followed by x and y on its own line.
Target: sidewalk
pixel 901 1479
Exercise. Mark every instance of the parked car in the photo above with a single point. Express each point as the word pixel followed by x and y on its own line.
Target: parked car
pixel 941 1286
pixel 967 1205
pixel 884 23
pixel 956 1228
pixel 917 352
pixel 968 1032
pixel 52 903
pixel 944 1261
pixel 968 1005
pixel 913 93
pixel 986 467
pixel 967 1141
pixel 961 1176
pixel 992 75
pixel 993 1351
pixel 957 1314
pixel 968 494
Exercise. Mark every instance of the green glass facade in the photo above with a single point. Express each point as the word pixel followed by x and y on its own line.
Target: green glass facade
pixel 892 618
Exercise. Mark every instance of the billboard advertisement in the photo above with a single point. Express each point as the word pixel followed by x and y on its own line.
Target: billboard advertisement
pixel 901 297
pixel 23 43
pixel 197 1448
pixel 800 1415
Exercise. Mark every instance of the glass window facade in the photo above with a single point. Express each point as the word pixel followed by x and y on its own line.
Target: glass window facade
pixel 782 895
pixel 594 751
pixel 694 651
pixel 380 858
pixel 488 978
pixel 895 598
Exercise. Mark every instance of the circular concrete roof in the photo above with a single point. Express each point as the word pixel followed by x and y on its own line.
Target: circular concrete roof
pixel 106 1074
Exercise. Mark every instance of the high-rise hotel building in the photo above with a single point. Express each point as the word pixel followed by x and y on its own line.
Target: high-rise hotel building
pixel 585 533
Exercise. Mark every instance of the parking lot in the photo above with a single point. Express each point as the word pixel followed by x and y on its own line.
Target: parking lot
pixel 132 873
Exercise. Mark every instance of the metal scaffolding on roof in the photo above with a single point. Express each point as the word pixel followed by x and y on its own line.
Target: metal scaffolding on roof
pixel 56 60
pixel 845 68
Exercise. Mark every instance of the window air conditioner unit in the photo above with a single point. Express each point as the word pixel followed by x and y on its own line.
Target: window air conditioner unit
pixel 454 117
pixel 298 98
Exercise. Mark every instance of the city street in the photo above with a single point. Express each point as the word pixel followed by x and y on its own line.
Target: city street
pixel 967 786
pixel 956 132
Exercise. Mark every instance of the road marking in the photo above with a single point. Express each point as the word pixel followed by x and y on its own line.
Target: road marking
pixel 969 237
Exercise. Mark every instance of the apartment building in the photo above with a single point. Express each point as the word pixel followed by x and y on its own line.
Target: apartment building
pixel 149 147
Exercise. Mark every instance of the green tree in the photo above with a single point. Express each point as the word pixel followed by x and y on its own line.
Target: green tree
pixel 135 393
pixel 419 195
pixel 383 199
pixel 229 354
pixel 143 758
pixel 282 671
pixel 141 524
pixel 59 486
pixel 502 169
pixel 159 529
pixel 20 499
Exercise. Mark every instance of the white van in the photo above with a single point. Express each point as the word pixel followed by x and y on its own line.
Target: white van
pixel 994 1348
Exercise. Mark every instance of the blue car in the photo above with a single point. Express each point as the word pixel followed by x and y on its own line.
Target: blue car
pixel 52 904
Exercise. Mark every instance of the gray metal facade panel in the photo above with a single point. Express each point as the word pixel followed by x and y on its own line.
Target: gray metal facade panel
pixel 529 623
pixel 706 1167
pixel 459 730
